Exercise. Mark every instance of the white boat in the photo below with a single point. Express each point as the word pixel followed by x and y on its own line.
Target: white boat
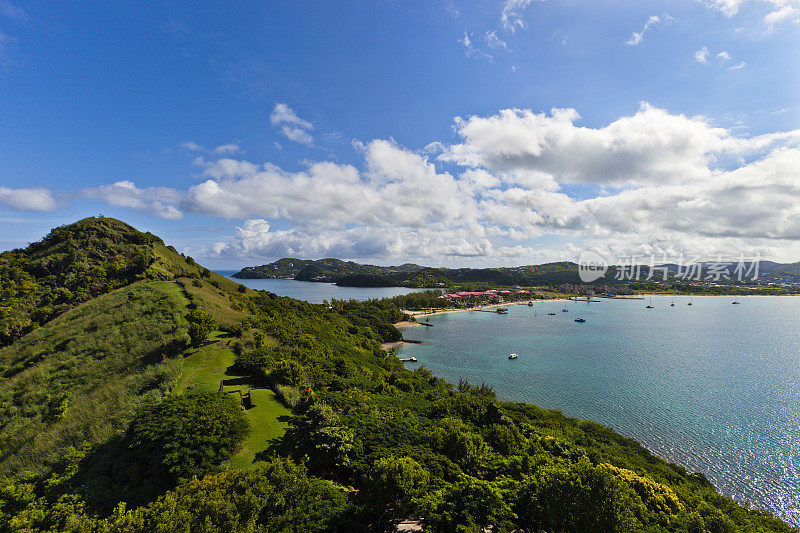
pixel 513 356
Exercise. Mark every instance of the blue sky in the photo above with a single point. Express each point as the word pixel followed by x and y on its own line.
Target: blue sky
pixel 242 132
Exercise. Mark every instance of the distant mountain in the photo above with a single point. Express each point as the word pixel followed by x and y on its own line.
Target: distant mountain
pixel 324 270
pixel 351 274
pixel 286 268
pixel 348 273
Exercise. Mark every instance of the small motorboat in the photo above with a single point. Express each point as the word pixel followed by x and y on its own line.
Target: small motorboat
pixel 565 310
pixel 513 356
pixel 502 310
pixel 553 314
pixel 409 360
pixel 672 304
pixel 580 320
pixel 530 304
pixel 735 302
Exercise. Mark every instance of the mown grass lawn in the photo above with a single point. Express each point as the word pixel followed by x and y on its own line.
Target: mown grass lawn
pixel 204 368
pixel 264 427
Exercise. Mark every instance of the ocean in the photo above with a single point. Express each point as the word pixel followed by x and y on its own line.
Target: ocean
pixel 714 387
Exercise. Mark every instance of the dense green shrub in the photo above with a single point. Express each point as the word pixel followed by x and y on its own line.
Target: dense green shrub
pixel 288 396
pixel 201 324
pixel 277 496
pixel 189 435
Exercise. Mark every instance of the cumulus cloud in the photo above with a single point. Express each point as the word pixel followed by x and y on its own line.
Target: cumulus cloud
pixel 652 180
pixel 396 186
pixel 290 125
pixel 160 201
pixel 778 10
pixel 650 146
pixel 784 13
pixel 33 199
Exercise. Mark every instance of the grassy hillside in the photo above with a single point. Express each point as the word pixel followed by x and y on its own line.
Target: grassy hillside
pixel 83 375
pixel 76 263
pixel 113 420
pixel 113 344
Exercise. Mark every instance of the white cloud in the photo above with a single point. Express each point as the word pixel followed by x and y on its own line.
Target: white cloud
pixel 787 12
pixel 160 201
pixel 725 60
pixel 650 146
pixel 192 146
pixel 779 10
pixel 470 50
pixel 728 7
pixel 227 149
pixel 652 180
pixel 33 199
pixel 396 187
pixel 637 37
pixel 290 125
pixel 511 16
pixel 493 41
pixel 701 56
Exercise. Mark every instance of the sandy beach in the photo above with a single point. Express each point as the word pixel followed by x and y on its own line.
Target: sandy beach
pixel 416 314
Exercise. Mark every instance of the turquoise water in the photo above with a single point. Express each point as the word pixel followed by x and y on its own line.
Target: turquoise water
pixel 714 387
pixel 316 292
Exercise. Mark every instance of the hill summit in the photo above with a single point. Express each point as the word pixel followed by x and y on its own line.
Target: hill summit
pixel 75 263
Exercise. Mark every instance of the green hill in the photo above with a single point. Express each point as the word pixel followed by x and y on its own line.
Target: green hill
pixel 348 273
pixel 167 398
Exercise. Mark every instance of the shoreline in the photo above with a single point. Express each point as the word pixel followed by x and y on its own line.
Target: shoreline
pixel 408 324
pixel 389 346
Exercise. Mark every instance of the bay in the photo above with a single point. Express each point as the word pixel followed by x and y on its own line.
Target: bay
pixel 314 292
pixel 714 387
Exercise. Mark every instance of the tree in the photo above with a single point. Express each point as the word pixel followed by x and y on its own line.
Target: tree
pixel 319 434
pixel 398 481
pixel 189 435
pixel 201 324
